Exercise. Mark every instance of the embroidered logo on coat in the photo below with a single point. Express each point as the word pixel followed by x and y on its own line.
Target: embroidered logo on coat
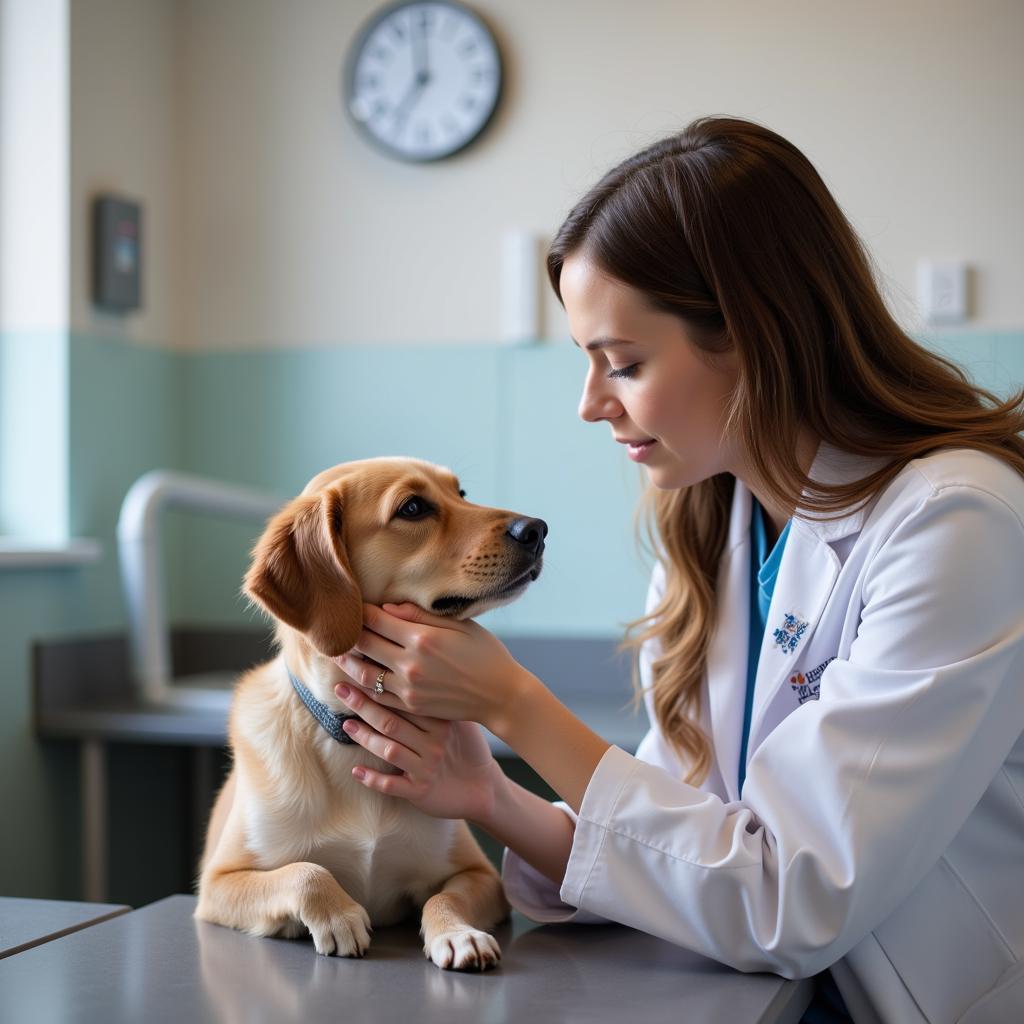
pixel 789 635
pixel 808 687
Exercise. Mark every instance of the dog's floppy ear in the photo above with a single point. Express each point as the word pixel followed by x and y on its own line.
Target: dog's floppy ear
pixel 300 573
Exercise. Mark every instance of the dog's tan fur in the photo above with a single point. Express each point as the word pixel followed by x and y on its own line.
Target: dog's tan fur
pixel 294 842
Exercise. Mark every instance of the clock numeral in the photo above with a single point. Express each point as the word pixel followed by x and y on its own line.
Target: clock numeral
pixel 380 108
pixel 469 101
pixel 479 74
pixel 467 48
pixel 369 82
pixel 423 134
pixel 399 32
pixel 426 21
pixel 381 53
pixel 450 125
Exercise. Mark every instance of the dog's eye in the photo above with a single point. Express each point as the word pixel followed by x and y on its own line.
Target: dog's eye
pixel 462 494
pixel 414 508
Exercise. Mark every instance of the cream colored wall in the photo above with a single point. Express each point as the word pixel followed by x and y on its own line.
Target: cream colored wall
pixel 272 224
pixel 127 138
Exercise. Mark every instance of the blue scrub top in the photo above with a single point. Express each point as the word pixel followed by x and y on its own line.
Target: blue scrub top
pixel 764 568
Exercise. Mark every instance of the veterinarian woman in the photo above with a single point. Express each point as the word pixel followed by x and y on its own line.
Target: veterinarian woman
pixel 832 658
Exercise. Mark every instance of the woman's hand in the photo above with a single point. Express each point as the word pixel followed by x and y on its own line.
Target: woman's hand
pixel 445 768
pixel 446 668
pixel 455 670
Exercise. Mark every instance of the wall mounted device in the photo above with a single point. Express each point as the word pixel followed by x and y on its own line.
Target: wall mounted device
pixel 116 254
pixel 942 291
pixel 520 286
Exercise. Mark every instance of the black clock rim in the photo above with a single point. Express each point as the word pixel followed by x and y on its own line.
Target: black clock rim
pixel 348 80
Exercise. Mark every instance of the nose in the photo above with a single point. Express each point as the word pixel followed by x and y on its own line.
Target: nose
pixel 594 406
pixel 529 532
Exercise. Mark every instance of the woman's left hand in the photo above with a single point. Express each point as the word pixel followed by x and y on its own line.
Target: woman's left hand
pixel 440 667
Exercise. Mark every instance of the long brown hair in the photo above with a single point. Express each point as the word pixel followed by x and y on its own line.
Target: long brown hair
pixel 729 227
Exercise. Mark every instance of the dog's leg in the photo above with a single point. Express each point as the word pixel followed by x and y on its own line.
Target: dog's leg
pixel 270 902
pixel 456 920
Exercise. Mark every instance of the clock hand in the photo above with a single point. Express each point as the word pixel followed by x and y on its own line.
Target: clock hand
pixel 420 78
pixel 422 68
pixel 401 112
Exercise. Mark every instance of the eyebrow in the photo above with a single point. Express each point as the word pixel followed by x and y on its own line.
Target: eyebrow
pixel 599 343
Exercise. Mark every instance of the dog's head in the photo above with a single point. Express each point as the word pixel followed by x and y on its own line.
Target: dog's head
pixel 388 530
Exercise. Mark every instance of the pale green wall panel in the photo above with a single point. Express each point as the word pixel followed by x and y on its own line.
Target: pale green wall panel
pixel 126 406
pixel 575 477
pixel 276 419
pixel 1008 371
pixel 994 360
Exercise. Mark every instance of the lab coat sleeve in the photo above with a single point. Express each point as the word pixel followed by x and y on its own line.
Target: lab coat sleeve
pixel 853 798
pixel 533 893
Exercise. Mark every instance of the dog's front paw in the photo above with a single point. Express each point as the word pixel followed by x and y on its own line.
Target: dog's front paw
pixel 342 931
pixel 463 949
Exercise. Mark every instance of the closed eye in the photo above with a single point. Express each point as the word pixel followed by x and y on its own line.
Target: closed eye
pixel 625 371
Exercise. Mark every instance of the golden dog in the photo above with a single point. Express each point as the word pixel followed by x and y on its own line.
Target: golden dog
pixel 295 844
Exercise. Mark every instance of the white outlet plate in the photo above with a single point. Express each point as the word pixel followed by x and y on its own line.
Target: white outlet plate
pixel 942 291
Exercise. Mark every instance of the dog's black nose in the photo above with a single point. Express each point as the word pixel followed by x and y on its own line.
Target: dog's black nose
pixel 529 532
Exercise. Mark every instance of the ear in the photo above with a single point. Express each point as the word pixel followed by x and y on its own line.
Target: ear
pixel 300 573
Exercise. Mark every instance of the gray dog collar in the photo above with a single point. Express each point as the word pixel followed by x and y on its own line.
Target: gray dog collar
pixel 330 720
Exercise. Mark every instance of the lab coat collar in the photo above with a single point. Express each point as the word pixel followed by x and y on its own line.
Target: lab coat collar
pixel 831 465
pixel 807 574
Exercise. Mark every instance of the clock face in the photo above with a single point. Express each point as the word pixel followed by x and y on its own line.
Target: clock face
pixel 423 79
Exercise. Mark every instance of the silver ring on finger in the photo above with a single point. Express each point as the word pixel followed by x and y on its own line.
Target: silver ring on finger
pixel 378 686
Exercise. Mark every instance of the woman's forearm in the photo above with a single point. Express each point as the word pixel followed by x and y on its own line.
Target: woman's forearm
pixel 564 752
pixel 533 828
pixel 560 748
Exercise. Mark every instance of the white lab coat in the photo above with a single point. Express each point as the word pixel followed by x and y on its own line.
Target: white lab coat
pixel 881 829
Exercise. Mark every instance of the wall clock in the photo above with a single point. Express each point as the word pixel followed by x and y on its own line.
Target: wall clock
pixel 423 79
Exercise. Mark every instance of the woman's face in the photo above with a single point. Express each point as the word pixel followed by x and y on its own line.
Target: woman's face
pixel 656 388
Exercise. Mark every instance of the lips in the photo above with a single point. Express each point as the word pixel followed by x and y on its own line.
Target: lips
pixel 640 452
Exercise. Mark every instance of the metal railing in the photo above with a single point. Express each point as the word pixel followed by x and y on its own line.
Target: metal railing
pixel 142 577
